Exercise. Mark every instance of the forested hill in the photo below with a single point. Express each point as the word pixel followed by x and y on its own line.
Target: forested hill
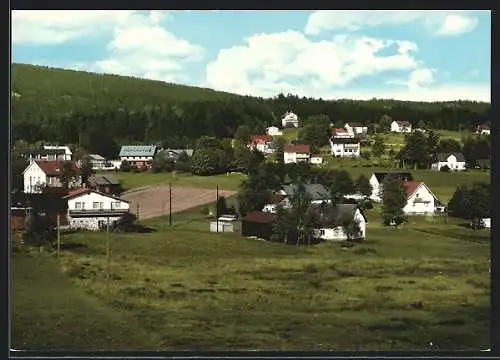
pixel 98 111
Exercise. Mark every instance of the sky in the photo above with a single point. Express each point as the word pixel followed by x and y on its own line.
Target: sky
pixel 348 54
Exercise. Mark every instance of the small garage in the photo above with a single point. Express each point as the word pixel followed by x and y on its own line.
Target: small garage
pixel 259 224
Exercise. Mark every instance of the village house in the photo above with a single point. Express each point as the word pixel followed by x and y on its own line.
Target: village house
pixel 420 199
pixel 483 129
pixel 92 210
pixel 139 156
pixel 262 143
pixel 290 120
pixel 295 153
pixel 356 129
pixel 51 205
pixel 258 224
pixel 98 162
pixel 378 177
pixel 454 161
pixel 106 184
pixel 47 173
pixel 68 154
pixel 401 126
pixel 345 147
pixel 273 131
pixel 316 160
pixel 316 192
pixel 342 133
pixel 40 154
pixel 331 219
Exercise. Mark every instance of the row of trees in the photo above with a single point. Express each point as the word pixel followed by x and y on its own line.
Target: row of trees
pixel 471 202
pixel 100 112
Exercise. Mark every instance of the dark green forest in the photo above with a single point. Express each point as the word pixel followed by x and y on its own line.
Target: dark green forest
pixel 101 112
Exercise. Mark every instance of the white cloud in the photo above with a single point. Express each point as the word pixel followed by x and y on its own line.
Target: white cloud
pixel 445 23
pixel 418 78
pixel 59 26
pixel 270 63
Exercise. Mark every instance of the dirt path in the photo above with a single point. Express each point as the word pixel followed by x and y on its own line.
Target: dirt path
pixel 154 200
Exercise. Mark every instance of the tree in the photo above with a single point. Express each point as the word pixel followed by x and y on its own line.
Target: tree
pixel 280 150
pixel 253 194
pixel 378 147
pixel 471 202
pixel 316 131
pixel 340 184
pixel 352 229
pixel 67 174
pixel 363 186
pixel 162 163
pixel 39 229
pixel 416 150
pixel 206 161
pixel 283 226
pixel 86 170
pixel 449 146
pixel 385 123
pixel 183 163
pixel 125 166
pixel 221 206
pixel 243 135
pixel 300 203
pixel 17 165
pixel 421 124
pixel 393 201
pixel 432 142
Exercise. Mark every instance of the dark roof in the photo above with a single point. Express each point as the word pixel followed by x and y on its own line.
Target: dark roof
pixel 344 140
pixel 260 217
pixel 403 123
pixel 315 191
pixel 355 124
pixel 402 175
pixel 101 179
pixel 332 216
pixel 443 157
pixel 275 198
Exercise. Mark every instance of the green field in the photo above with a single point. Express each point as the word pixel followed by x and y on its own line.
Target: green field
pixel 130 180
pixel 185 288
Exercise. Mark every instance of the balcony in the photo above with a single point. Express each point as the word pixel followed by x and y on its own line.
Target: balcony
pixel 97 212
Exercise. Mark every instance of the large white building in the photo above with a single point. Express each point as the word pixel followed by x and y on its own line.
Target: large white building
pixel 294 153
pixel 47 173
pixel 68 154
pixel 454 161
pixel 290 119
pixel 356 129
pixel 92 210
pixel 273 131
pixel 138 155
pixel 345 147
pixel 331 220
pixel 263 143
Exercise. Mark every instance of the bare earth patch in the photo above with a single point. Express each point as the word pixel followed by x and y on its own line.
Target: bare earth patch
pixel 154 201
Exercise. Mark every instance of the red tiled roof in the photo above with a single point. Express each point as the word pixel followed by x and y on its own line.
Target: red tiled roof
pixel 260 217
pixel 276 198
pixel 403 122
pixel 53 167
pixel 261 139
pixel 411 187
pixel 297 148
pixel 339 130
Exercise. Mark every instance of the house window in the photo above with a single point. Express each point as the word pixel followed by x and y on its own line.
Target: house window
pixel 117 205
pixel 78 205
pixel 322 232
pixel 95 205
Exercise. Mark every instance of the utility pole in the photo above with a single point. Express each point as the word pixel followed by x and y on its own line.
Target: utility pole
pixel 170 203
pixel 137 211
pixel 58 236
pixel 217 208
pixel 163 207
pixel 108 265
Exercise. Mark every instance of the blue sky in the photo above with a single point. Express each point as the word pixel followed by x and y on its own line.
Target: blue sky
pixel 407 55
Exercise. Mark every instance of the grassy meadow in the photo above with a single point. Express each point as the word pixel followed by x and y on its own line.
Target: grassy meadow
pixel 185 288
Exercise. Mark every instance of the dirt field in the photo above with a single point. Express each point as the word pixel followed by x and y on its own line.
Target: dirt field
pixel 154 201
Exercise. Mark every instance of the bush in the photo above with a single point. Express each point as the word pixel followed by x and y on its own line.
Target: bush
pixel 125 166
pixel 366 155
pixel 445 169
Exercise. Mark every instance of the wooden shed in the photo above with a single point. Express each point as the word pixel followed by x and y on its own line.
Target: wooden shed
pixel 259 224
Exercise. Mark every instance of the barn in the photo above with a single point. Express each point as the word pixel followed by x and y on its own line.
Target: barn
pixel 259 224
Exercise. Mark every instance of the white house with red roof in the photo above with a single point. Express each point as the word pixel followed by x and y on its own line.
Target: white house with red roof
pixel 294 153
pixel 47 173
pixel 483 129
pixel 420 199
pixel 356 129
pixel 263 143
pixel 401 126
pixel 93 210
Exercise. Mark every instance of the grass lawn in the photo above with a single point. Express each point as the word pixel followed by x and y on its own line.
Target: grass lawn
pixel 132 180
pixel 185 288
